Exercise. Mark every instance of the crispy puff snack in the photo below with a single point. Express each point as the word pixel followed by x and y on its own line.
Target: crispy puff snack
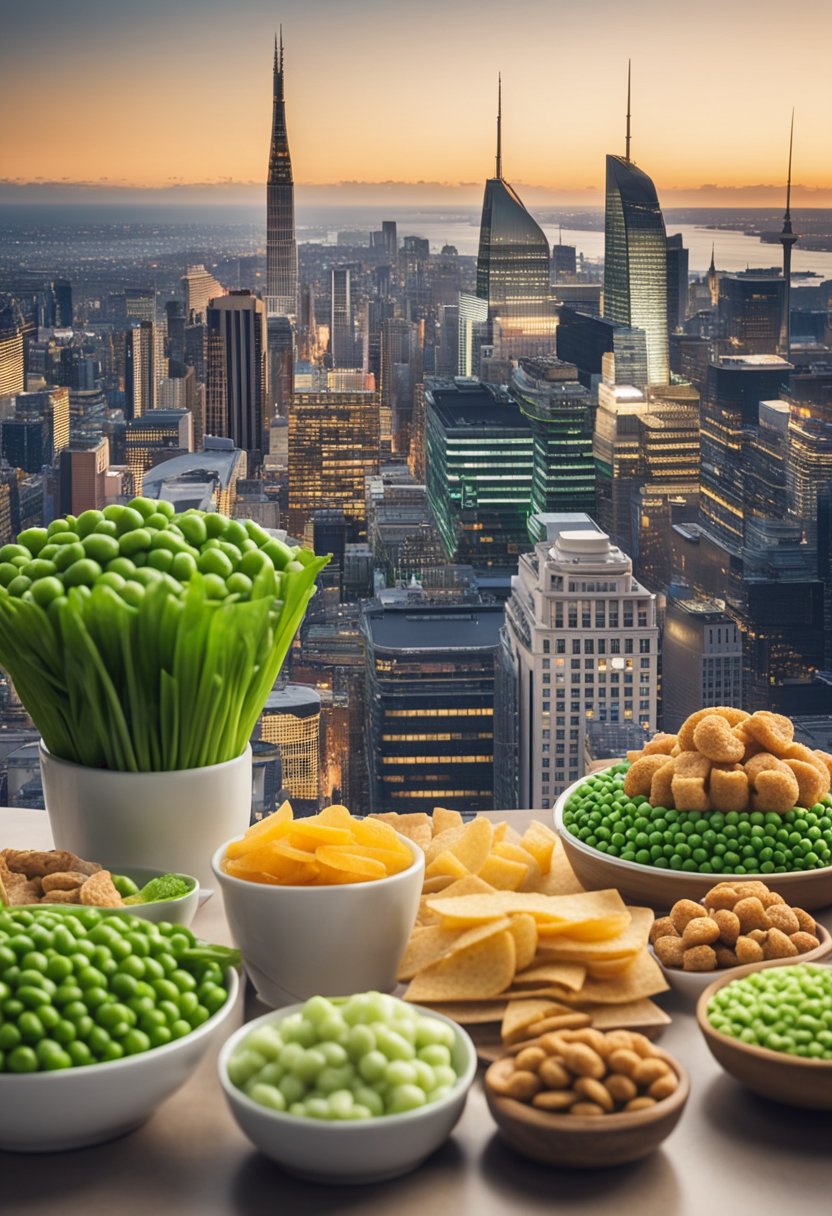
pixel 729 788
pixel 774 731
pixel 732 717
pixel 810 782
pixel 640 774
pixel 775 791
pixel 713 738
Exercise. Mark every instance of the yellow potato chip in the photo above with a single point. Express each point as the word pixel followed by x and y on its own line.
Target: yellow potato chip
pixel 544 908
pixel 523 928
pixel 472 884
pixel 443 841
pixel 306 833
pixel 393 861
pixel 643 1015
pixel 474 845
pixel 446 864
pixel 433 886
pixel 483 970
pixel 271 828
pixel 472 1013
pixel 642 978
pixel 625 945
pixel 500 830
pixel 569 975
pixel 336 816
pixel 519 1015
pixel 540 841
pixel 444 819
pixel 503 874
pixel 377 835
pixel 514 852
pixel 561 878
pixel 415 826
pixel 593 929
pixel 428 946
pixel 284 848
pixel 601 968
pixel 351 863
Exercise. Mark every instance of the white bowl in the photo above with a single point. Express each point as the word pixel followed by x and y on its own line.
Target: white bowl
pixel 659 888
pixel 173 819
pixel 692 983
pixel 179 911
pixel 46 1112
pixel 300 941
pixel 370 1150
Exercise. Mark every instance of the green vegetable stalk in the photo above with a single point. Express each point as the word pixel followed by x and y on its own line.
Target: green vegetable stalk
pixel 140 640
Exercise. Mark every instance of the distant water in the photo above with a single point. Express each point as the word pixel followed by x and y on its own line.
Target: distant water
pixel 458 226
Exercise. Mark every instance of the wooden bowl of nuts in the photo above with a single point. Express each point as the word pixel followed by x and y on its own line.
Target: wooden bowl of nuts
pixel 736 924
pixel 583 1099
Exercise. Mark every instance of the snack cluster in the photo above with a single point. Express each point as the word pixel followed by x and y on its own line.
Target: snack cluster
pixel 724 759
pixel 585 1072
pixel 57 876
pixel 736 923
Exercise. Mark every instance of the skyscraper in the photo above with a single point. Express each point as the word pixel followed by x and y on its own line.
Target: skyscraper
pixel 281 248
pixel 678 263
pixel 787 238
pixel 141 373
pixel 635 257
pixel 513 269
pixel 200 286
pixel 12 378
pixel 235 391
pixel 342 319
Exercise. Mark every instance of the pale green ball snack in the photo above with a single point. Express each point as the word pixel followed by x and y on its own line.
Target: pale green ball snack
pixel 363 1057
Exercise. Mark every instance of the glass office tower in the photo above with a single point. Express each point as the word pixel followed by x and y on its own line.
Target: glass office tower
pixel 513 271
pixel 281 249
pixel 635 260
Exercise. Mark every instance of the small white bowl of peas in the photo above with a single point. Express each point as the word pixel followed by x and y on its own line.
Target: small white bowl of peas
pixel 348 1091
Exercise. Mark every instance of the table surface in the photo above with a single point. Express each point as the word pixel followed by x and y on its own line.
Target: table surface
pixel 730 1149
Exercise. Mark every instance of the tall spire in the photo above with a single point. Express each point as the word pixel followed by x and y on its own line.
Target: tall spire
pixel 499 173
pixel 787 218
pixel 788 237
pixel 627 153
pixel 278 65
pixel 712 267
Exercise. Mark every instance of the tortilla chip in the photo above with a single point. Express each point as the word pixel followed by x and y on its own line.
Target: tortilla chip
pixel 643 978
pixel 519 1015
pixel 427 946
pixel 569 975
pixel 472 1013
pixel 626 945
pixel 544 908
pixel 443 819
pixel 523 929
pixel 483 970
pixel 592 929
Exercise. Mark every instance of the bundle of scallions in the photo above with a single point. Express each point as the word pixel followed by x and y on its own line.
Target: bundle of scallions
pixel 141 640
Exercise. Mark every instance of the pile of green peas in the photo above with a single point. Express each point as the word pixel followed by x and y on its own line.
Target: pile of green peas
pixel 784 1009
pixel 363 1057
pixel 601 815
pixel 129 547
pixel 84 986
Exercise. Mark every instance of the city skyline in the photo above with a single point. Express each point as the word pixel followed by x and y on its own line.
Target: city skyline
pixel 394 124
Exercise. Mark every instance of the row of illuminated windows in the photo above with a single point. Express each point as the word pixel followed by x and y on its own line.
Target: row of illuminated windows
pixel 454 759
pixel 435 738
pixel 483 711
pixel 441 793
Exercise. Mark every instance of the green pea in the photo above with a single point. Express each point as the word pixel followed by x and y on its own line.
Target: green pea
pixel 22 1059
pixel 82 573
pixel 106 528
pixel 101 549
pixel 130 544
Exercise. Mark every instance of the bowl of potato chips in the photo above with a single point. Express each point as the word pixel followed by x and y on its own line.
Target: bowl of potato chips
pixel 331 896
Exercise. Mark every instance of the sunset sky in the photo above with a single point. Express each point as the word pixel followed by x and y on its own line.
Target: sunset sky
pixel 158 92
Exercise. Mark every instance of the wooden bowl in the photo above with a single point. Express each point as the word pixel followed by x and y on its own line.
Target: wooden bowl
pixel 791 1080
pixel 575 1142
pixel 657 888
pixel 691 983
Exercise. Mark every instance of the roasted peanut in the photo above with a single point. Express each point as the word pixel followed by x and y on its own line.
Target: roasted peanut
pixel 640 1104
pixel 622 1089
pixel 778 945
pixel 586 1109
pixel 594 1091
pixel 751 913
pixel 806 923
pixel 555 1099
pixel 523 1086
pixel 804 942
pixel 748 951
pixel 649 1071
pixel 623 1061
pixel 642 1045
pixel 582 1061
pixel 781 917
pixel 664 1086
pixel 530 1059
pixel 554 1074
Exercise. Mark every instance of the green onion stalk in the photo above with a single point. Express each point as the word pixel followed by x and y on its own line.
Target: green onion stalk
pixel 140 640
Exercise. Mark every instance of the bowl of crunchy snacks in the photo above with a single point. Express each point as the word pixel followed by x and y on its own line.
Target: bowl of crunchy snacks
pixel 583 1099
pixel 770 1026
pixel 58 878
pixel 734 925
pixel 330 895
pixel 103 1017
pixel 731 796
pixel 348 1091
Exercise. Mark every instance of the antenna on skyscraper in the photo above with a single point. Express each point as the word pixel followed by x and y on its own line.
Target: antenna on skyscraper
pixel 499 126
pixel 787 218
pixel 281 49
pixel 627 154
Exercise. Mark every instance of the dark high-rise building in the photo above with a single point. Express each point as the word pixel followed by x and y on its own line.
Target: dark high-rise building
pixel 635 257
pixel 513 270
pixel 63 303
pixel 787 239
pixel 82 474
pixel 678 263
pixel 430 704
pixel 281 248
pixel 730 406
pixel 342 319
pixel 480 461
pixel 750 312
pixel 391 240
pixel 564 264
pixel 157 436
pixel 281 347
pixel 235 396
pixel 701 659
pixel 175 319
pixel 401 370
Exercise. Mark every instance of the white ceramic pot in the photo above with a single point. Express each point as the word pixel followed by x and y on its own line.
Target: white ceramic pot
pixel 297 942
pixel 170 821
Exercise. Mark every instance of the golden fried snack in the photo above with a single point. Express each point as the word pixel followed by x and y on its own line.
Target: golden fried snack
pixel 761 762
pixel 723 895
pixel 98 891
pixel 751 914
pixel 806 921
pixel 774 731
pixel 683 912
pixel 62 897
pixel 775 791
pixel 639 775
pixel 37 863
pixel 689 794
pixel 799 751
pixel 826 758
pixel 729 789
pixel 64 880
pixel 662 927
pixel 713 738
pixel 661 785
pixel 805 942
pixel 732 717
pixel 699 958
pixel 725 956
pixel 782 917
pixel 691 764
pixel 748 951
pixel 812 785
pixel 702 931
pixel 21 890
pixel 778 945
pixel 660 745
pixel 729 925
